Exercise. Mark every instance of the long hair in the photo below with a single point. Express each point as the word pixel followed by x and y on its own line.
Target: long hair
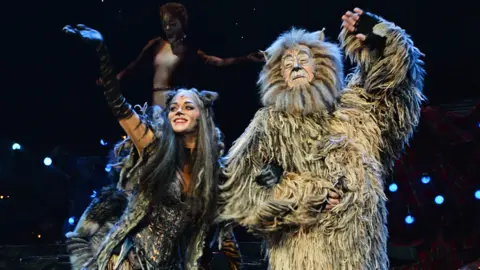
pixel 205 159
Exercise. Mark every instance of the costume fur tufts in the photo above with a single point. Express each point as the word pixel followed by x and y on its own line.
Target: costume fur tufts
pixel 345 141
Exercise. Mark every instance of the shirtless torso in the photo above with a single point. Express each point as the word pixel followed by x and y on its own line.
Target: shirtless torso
pixel 178 66
pixel 164 63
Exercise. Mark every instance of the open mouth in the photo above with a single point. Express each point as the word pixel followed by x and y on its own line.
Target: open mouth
pixel 180 121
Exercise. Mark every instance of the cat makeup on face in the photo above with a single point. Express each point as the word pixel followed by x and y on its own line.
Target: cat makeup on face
pixel 184 113
pixel 298 66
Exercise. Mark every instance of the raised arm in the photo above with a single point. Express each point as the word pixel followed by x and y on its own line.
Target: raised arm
pixel 389 74
pixel 222 62
pixel 138 132
pixel 144 58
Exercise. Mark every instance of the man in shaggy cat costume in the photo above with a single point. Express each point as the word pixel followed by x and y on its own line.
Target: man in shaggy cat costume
pixel 314 136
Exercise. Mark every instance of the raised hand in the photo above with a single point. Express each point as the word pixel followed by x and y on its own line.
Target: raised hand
pixel 256 57
pixel 350 20
pixel 87 34
pixel 332 200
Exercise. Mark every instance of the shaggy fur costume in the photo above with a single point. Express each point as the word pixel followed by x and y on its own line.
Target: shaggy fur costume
pixel 327 137
pixel 149 211
pixel 103 223
pixel 96 234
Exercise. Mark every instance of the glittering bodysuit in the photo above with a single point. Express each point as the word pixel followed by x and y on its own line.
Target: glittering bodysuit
pixel 157 239
pixel 128 231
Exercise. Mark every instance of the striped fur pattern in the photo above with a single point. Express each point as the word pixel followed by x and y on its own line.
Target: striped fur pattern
pixel 229 247
pixel 349 150
pixel 94 225
pixel 91 236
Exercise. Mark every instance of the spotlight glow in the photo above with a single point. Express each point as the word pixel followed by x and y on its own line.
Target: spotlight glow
pixel 439 199
pixel 47 161
pixel 71 220
pixel 16 146
pixel 477 194
pixel 393 187
pixel 409 219
pixel 426 179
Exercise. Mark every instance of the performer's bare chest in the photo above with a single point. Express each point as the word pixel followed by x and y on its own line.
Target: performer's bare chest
pixel 164 63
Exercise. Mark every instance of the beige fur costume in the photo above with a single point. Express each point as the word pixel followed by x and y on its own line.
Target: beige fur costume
pixel 327 137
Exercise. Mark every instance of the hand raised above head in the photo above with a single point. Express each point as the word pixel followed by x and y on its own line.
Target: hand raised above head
pixel 87 34
pixel 256 57
pixel 333 199
pixel 350 19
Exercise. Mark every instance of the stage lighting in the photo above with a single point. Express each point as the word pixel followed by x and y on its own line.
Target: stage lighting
pixel 477 194
pixel 108 168
pixel 71 220
pixel 426 179
pixel 393 187
pixel 102 142
pixel 409 219
pixel 439 199
pixel 47 161
pixel 16 146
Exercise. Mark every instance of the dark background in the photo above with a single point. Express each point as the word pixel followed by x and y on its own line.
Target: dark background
pixel 52 107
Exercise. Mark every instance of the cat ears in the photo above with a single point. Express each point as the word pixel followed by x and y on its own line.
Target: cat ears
pixel 207 97
pixel 169 95
pixel 320 34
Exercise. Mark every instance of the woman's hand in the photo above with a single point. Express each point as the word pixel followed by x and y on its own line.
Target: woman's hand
pixel 87 34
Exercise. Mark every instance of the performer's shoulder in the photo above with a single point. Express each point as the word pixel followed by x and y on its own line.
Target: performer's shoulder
pixel 155 42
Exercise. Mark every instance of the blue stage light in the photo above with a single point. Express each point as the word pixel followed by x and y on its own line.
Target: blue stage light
pixel 426 179
pixel 439 199
pixel 409 219
pixel 47 161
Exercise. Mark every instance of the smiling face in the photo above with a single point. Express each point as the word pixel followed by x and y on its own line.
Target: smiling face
pixel 298 66
pixel 184 113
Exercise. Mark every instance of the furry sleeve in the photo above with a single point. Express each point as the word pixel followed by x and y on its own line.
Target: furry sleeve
pixel 350 170
pixel 228 246
pixel 134 168
pixel 94 224
pixel 390 77
pixel 242 199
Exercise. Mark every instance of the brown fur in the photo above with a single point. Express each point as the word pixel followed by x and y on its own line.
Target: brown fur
pixel 349 150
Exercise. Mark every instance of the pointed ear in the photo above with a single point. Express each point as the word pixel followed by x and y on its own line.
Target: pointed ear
pixel 169 95
pixel 321 34
pixel 208 97
pixel 265 55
